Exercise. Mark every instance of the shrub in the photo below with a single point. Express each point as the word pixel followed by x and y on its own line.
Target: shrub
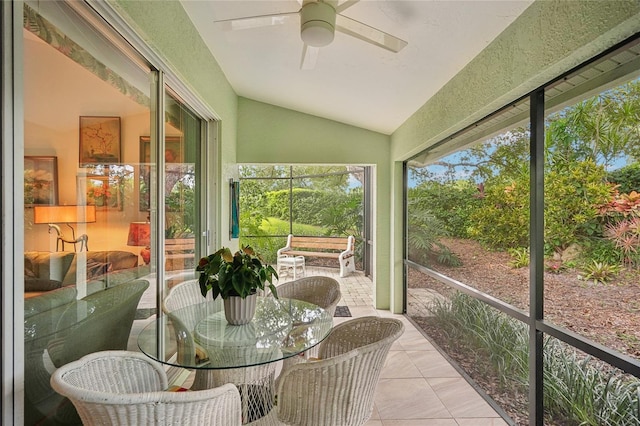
pixel 452 204
pixel 424 233
pixel 622 225
pixel 519 257
pixel 600 272
pixel 573 196
pixel 627 178
pixel 577 390
pixel 600 250
pixel 502 222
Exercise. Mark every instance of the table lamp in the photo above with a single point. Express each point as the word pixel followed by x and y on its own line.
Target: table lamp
pixel 140 235
pixel 52 215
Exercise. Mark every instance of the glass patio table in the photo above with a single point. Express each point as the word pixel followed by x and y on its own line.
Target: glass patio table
pixel 198 337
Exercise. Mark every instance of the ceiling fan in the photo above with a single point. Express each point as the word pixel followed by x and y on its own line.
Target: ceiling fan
pixel 319 19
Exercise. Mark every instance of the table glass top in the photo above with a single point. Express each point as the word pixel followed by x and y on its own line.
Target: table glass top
pixel 199 336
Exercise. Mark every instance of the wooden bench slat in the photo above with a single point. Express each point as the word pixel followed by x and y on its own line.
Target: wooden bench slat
pixel 341 248
pixel 316 245
pixel 326 254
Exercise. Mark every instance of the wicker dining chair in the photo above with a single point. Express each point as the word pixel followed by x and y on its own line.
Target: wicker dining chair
pixel 338 388
pixel 128 388
pixel 254 383
pixel 184 322
pixel 319 290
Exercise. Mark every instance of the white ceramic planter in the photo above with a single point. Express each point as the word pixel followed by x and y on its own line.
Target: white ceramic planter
pixel 239 311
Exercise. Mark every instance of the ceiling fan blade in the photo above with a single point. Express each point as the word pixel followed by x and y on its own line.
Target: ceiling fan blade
pixel 369 34
pixel 345 5
pixel 309 57
pixel 256 21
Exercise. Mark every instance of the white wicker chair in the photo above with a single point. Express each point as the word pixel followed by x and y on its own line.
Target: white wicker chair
pixel 319 290
pixel 254 383
pixel 127 388
pixel 338 389
pixel 184 322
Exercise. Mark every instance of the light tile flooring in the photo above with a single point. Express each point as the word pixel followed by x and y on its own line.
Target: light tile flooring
pixel 417 387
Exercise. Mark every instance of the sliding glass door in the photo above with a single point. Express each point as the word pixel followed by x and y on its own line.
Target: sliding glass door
pixel 112 209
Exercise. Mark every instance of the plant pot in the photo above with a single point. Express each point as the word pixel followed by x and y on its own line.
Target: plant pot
pixel 239 311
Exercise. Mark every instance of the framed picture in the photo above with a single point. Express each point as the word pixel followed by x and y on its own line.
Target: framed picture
pixel 99 140
pixel 174 154
pixel 234 219
pixel 40 180
pixel 102 192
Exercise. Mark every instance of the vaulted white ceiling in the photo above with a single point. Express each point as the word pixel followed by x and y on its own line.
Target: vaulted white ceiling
pixel 353 82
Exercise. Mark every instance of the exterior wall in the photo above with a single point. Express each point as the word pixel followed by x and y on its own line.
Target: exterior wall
pixel 548 39
pixel 269 134
pixel 166 28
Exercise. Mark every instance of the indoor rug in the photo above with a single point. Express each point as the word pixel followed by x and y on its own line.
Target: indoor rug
pixel 342 311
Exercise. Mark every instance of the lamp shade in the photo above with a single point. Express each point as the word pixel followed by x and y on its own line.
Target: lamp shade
pixel 139 234
pixel 64 214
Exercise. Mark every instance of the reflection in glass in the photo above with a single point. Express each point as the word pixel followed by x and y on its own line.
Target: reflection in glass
pixel 82 296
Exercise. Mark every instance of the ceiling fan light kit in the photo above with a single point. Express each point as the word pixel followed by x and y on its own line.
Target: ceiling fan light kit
pixel 319 21
pixel 317 24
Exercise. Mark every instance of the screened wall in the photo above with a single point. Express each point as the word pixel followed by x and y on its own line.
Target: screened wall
pixel 276 201
pixel 522 248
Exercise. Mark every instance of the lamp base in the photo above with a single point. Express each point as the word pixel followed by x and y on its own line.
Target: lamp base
pixel 145 253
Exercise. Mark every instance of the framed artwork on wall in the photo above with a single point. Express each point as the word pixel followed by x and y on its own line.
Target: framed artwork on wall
pixel 40 180
pixel 99 140
pixel 102 192
pixel 173 157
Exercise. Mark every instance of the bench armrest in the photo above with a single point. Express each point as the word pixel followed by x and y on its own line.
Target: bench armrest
pixel 281 252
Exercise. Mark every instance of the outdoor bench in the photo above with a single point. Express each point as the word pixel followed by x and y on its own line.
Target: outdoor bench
pixel 341 248
pixel 180 253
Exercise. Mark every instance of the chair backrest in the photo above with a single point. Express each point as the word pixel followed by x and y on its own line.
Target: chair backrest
pixel 122 387
pixel 319 290
pixel 339 388
pixel 107 326
pixel 184 295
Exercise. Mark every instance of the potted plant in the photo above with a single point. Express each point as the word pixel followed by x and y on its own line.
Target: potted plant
pixel 236 278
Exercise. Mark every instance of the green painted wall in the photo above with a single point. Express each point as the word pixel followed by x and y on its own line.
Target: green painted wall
pixel 166 28
pixel 548 39
pixel 551 37
pixel 269 134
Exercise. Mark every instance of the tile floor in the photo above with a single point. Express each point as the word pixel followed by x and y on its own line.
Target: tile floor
pixel 418 387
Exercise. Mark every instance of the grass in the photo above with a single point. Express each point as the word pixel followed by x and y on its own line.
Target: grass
pixel 275 226
pixel 577 389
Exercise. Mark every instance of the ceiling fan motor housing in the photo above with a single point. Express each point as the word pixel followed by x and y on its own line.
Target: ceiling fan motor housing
pixel 317 23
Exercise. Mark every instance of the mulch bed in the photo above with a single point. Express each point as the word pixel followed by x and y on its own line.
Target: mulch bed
pixel 608 314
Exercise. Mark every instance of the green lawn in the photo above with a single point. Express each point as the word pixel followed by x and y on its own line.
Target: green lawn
pixel 275 226
pixel 268 246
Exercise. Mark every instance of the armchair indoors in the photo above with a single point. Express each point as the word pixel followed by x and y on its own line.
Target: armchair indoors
pixel 128 388
pixel 338 389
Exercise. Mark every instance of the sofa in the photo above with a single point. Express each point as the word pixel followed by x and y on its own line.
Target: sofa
pixel 47 271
